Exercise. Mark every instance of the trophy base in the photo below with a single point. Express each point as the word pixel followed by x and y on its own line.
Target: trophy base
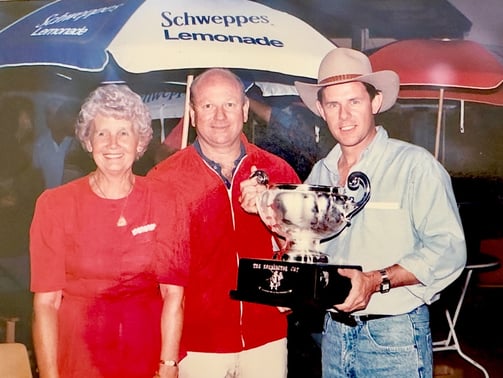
pixel 291 284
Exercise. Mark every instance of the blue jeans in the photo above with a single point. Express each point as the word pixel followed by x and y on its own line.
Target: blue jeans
pixel 396 346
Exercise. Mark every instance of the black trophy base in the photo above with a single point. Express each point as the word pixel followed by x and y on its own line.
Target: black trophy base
pixel 291 284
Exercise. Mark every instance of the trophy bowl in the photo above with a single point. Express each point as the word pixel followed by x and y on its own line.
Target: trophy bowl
pixel 303 215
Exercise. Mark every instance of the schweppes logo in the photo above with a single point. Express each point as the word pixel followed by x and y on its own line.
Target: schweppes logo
pixel 45 28
pixel 227 20
pixel 187 19
pixel 75 24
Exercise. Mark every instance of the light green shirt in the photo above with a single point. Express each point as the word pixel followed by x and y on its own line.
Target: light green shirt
pixel 411 219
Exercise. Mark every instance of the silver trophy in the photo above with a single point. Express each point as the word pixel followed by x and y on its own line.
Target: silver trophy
pixel 303 215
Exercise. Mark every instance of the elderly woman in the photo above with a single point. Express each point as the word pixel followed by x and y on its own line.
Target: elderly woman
pixel 106 269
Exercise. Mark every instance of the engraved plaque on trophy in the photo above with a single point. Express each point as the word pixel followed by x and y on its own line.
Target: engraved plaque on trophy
pixel 303 215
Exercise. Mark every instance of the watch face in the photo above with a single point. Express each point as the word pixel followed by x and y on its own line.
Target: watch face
pixel 385 286
pixel 168 362
pixel 385 282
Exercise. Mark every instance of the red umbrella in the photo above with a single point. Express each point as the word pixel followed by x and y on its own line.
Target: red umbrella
pixel 443 69
pixel 482 96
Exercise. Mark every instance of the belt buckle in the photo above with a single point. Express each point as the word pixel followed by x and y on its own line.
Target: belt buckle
pixel 349 320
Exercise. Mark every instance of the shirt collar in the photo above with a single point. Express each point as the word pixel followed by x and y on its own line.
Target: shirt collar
pixel 216 166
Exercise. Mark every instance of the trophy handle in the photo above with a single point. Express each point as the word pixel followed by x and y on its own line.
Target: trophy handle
pixel 355 180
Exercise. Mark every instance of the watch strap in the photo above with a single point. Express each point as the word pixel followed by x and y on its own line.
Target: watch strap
pixel 168 363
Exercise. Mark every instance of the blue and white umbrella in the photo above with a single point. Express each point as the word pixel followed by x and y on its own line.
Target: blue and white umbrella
pixel 155 35
pixel 159 36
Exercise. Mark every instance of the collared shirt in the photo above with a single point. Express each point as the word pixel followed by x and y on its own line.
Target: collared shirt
pixel 218 233
pixel 411 219
pixel 216 166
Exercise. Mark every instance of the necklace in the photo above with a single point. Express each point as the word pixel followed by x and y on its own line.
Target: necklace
pixel 121 222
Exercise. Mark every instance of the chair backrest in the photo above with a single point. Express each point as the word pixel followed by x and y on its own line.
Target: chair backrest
pixel 14 361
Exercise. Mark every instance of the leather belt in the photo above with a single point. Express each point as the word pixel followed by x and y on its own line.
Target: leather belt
pixel 352 320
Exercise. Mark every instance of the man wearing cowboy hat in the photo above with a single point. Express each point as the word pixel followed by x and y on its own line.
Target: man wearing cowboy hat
pixel 408 238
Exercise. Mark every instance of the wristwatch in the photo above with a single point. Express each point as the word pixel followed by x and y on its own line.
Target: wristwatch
pixel 385 282
pixel 169 363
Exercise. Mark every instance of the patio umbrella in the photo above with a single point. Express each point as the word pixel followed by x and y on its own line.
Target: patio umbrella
pixel 443 69
pixel 152 36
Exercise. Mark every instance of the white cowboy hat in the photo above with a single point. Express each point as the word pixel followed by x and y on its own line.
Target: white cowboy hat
pixel 343 65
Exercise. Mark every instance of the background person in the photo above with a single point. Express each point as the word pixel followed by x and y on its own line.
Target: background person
pixel 290 130
pixel 20 182
pixel 56 151
pixel 20 185
pixel 105 270
pixel 224 337
pixel 408 238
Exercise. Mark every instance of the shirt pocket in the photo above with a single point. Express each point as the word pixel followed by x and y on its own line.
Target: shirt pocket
pixel 386 230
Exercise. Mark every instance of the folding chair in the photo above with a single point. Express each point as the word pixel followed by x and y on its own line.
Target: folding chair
pixel 476 261
pixel 14 361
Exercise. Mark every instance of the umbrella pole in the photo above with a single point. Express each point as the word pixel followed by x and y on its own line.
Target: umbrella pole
pixel 161 118
pixel 439 122
pixel 185 131
pixel 462 117
pixel 163 133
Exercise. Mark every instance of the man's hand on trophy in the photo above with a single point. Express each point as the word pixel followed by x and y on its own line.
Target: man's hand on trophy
pixel 362 287
pixel 250 189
